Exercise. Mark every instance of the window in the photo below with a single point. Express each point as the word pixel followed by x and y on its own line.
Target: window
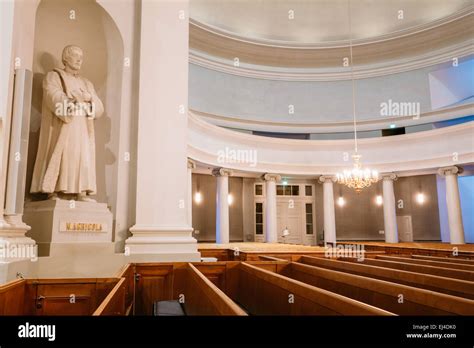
pixel 308 190
pixel 258 218
pixel 295 190
pixel 309 218
pixel 258 190
pixel 279 190
pixel 288 190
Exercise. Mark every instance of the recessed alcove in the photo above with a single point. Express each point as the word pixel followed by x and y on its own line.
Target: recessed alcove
pixel 61 23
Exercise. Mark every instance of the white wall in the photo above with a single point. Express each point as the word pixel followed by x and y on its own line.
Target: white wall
pixel 257 99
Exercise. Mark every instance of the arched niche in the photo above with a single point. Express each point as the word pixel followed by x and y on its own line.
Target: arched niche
pixel 86 24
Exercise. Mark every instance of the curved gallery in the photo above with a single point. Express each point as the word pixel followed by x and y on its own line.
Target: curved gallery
pixel 216 137
pixel 250 87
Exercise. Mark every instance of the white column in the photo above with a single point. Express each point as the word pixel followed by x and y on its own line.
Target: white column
pixel 222 205
pixel 162 226
pixel 329 212
pixel 191 166
pixel 389 208
pixel 271 233
pixel 17 25
pixel 453 202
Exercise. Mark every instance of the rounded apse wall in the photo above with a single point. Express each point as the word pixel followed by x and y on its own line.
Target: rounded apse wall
pixel 87 25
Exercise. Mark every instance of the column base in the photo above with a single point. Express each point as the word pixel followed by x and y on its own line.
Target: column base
pixel 162 243
pixel 14 245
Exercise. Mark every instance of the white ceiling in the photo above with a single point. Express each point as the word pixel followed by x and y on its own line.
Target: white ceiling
pixel 319 21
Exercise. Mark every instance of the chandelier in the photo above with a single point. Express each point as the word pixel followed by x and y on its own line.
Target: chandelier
pixel 358 177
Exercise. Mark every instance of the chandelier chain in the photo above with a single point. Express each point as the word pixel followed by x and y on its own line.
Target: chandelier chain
pixel 352 76
pixel 358 177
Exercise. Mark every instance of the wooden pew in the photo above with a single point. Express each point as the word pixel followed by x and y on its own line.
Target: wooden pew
pixel 128 272
pixel 114 303
pixel 263 292
pixel 272 258
pixel 462 267
pixel 444 259
pixel 455 287
pixel 202 297
pixel 154 282
pixel 12 297
pixel 407 251
pixel 276 266
pixel 220 254
pixel 380 293
pixel 438 271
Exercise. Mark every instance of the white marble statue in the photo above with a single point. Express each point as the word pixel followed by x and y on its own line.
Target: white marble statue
pixel 65 162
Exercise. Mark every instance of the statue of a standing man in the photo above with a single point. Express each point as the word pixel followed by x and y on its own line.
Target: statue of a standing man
pixel 65 162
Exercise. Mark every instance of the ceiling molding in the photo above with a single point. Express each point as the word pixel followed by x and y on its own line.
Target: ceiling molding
pixel 335 127
pixel 332 44
pixel 444 55
pixel 454 34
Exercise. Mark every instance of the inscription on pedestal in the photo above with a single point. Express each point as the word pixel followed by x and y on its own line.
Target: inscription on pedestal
pixel 68 226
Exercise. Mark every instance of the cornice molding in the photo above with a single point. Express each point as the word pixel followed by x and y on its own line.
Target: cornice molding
pixel 331 74
pixel 345 126
pixel 333 44
pixel 439 43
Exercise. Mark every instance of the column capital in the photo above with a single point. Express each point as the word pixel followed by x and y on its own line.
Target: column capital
pixel 221 172
pixel 271 177
pixel 389 176
pixel 452 170
pixel 191 164
pixel 327 178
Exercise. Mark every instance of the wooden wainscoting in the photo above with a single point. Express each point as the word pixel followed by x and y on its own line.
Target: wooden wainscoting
pixel 66 296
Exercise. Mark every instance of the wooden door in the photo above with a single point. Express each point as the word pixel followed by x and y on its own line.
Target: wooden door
pixel 405 229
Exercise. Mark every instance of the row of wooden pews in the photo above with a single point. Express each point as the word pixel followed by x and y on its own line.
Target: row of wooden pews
pixel 263 292
pixel 390 296
pixel 381 284
pixel 446 285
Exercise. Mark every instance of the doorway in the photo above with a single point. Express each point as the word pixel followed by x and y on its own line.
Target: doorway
pixel 405 228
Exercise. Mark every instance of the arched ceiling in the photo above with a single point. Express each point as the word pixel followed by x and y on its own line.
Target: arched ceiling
pixel 317 22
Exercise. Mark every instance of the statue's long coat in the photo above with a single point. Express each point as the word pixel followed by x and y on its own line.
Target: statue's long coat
pixel 65 161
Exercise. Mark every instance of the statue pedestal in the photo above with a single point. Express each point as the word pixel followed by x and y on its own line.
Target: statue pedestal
pixel 58 224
